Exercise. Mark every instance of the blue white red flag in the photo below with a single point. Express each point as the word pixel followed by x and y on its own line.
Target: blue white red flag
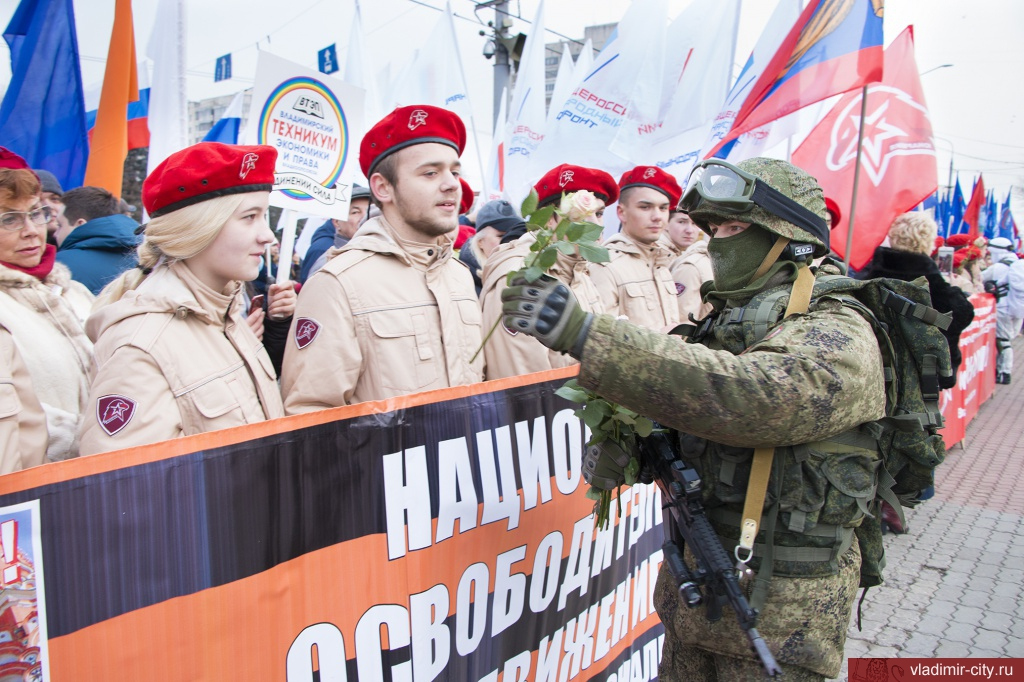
pixel 1007 227
pixel 835 46
pixel 897 154
pixel 138 111
pixel 42 117
pixel 956 209
pixel 226 129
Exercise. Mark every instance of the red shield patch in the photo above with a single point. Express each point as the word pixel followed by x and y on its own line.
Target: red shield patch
pixel 113 412
pixel 306 331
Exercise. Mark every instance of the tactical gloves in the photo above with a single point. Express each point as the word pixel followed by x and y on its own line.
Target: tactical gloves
pixel 548 311
pixel 604 464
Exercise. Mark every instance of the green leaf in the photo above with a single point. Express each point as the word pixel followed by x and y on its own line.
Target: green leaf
pixel 533 273
pixel 594 253
pixel 591 232
pixel 575 232
pixel 542 216
pixel 547 258
pixel 529 204
pixel 561 229
pixel 568 248
pixel 632 471
pixel 594 494
pixel 573 395
pixel 623 418
pixel 643 427
pixel 592 418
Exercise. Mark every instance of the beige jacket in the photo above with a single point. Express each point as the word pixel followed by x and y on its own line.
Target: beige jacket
pixel 175 358
pixel 46 319
pixel 637 283
pixel 23 436
pixel 689 271
pixel 384 317
pixel 509 354
pixel 670 245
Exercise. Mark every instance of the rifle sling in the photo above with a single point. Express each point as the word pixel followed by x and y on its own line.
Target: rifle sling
pixel 761 467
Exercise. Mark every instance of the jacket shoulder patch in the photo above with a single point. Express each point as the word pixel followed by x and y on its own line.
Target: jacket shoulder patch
pixel 306 331
pixel 113 412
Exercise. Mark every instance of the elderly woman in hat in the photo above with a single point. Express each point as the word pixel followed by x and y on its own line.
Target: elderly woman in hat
pixel 45 355
pixel 175 355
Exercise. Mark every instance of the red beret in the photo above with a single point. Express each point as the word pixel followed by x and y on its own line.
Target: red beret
pixel 463 235
pixel 939 243
pixel 406 126
pixel 467 196
pixel 958 241
pixel 833 210
pixel 206 171
pixel 655 178
pixel 9 159
pixel 569 178
pixel 969 254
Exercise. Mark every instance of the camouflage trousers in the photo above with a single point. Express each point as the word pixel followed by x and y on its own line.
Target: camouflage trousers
pixel 804 623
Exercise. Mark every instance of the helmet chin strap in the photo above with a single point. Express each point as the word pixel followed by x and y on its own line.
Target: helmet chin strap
pixel 770 258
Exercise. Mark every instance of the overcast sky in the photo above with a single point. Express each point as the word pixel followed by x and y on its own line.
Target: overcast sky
pixel 976 104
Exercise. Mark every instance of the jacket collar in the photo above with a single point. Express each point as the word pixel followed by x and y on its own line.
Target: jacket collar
pixel 379 236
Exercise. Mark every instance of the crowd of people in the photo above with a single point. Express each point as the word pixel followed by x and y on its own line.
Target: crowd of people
pixel 115 334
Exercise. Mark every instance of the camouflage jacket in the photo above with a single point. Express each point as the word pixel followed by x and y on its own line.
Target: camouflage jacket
pixel 804 389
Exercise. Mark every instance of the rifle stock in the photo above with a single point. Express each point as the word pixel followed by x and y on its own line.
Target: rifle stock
pixel 715 572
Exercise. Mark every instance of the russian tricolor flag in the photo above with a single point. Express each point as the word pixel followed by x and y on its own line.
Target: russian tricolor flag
pixel 227 128
pixel 138 111
pixel 835 46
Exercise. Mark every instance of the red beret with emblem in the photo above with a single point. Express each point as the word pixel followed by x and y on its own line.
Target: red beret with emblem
pixel 406 126
pixel 655 178
pixel 206 171
pixel 467 196
pixel 966 255
pixel 567 178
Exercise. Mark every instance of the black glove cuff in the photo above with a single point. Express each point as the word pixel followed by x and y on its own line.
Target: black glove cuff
pixel 577 348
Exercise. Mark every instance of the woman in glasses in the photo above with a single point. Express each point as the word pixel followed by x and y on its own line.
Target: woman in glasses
pixel 175 355
pixel 45 356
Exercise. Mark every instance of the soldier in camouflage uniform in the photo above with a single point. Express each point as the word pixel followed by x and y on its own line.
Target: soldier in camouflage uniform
pixel 804 389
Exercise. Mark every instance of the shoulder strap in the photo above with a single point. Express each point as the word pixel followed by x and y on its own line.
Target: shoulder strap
pixel 761 467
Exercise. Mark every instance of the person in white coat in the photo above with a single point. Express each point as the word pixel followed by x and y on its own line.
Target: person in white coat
pixel 1005 279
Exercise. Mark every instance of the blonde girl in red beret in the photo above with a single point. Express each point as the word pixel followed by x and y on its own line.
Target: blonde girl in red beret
pixel 175 355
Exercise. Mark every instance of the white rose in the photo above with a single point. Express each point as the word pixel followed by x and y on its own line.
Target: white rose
pixel 580 206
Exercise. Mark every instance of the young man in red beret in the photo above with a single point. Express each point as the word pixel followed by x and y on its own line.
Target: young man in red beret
pixel 637 282
pixel 509 353
pixel 393 312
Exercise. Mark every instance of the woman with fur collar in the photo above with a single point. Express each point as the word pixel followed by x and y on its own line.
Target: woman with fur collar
pixel 43 311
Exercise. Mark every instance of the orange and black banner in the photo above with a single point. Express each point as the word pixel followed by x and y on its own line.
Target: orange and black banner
pixel 443 536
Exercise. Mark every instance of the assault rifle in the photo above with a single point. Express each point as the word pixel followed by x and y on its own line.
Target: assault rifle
pixel 714 579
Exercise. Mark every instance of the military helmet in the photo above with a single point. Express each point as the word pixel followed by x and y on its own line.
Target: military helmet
pixel 792 182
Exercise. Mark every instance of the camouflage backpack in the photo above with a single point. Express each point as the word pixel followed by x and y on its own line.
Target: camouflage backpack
pixel 914 354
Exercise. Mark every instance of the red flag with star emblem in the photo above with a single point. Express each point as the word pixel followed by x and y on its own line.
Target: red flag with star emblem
pixel 897 168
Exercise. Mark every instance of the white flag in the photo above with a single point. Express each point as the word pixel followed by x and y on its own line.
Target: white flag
pixel 496 163
pixel 584 63
pixel 785 15
pixel 585 124
pixel 696 81
pixel 435 77
pixel 527 117
pixel 168 102
pixel 357 71
pixel 563 81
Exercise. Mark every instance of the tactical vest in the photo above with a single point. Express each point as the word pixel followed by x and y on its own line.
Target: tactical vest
pixel 820 494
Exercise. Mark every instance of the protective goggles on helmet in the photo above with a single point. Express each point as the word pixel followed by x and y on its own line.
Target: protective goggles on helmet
pixel 727 189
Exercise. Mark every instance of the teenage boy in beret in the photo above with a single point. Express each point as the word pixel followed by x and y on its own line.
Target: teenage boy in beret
pixel 394 312
pixel 637 281
pixel 509 353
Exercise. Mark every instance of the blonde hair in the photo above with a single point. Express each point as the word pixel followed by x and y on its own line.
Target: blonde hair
pixel 914 232
pixel 175 236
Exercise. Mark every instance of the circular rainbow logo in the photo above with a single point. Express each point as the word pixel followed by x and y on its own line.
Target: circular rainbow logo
pixel 303 119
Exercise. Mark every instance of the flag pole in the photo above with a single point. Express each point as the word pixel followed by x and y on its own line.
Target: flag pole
pixel 856 177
